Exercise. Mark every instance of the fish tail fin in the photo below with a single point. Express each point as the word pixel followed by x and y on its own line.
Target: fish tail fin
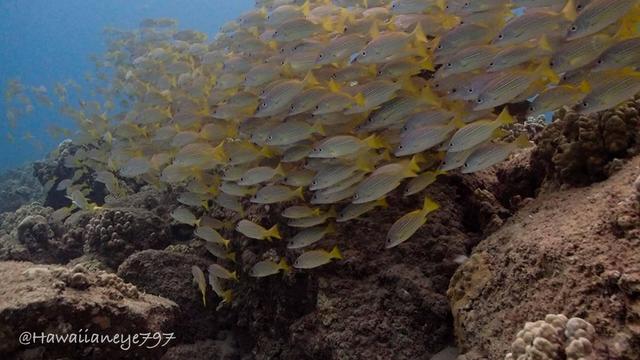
pixel 418 35
pixel 505 118
pixel 310 80
pixel 305 8
pixel 315 211
pixel 429 96
pixel 283 265
pixel 359 99
pixel 363 164
pixel 544 44
pixel 584 86
pixel 550 75
pixel 299 193
pixel 409 86
pixel 227 296
pixel 457 122
pixel 226 243
pixel 427 63
pixel 416 160
pixel 522 141
pixel 234 275
pixel 318 128
pixel 429 205
pixel 232 256
pixel 569 10
pixel 335 253
pixel 440 4
pixel 331 229
pixel 373 141
pixel 374 32
pixel 331 213
pixel 333 86
pixel 382 202
pixel 280 170
pixel 267 152
pixel 327 24
pixel 273 232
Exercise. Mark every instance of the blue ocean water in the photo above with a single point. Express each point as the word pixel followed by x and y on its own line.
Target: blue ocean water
pixel 43 42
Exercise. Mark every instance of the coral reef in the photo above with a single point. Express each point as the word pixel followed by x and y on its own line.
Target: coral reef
pixel 168 274
pixel 113 234
pixel 59 166
pixel 63 301
pixel 19 187
pixel 570 251
pixel 581 149
pixel 554 338
pixel 32 234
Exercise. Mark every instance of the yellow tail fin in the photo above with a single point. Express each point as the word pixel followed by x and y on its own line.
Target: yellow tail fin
pixel 429 205
pixel 522 141
pixel 273 232
pixel 335 253
pixel 505 118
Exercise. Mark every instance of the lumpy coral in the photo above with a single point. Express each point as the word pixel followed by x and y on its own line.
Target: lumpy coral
pixel 580 149
pixel 114 234
pixel 554 338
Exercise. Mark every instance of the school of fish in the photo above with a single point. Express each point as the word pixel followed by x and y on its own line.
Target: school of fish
pixel 330 106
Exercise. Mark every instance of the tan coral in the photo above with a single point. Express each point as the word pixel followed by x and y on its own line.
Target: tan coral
pixel 554 338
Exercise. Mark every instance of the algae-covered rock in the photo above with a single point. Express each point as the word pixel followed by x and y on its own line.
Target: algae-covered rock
pixel 168 274
pixel 572 251
pixel 64 301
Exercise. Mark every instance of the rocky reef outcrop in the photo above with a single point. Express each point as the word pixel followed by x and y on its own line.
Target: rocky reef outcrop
pixel 571 251
pixel 73 303
pixel 19 187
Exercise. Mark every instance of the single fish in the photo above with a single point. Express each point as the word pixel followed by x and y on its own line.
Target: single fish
pixel 255 231
pixel 407 225
pixel 314 258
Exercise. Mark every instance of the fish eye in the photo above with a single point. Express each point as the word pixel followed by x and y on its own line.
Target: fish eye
pixel 356 196
pixel 600 61
pixel 314 182
pixel 401 147
pixel 317 107
pixel 379 72
pixel 470 90
pixel 345 29
pixel 500 36
pixel 552 63
pixel 440 47
pixel 275 32
pixel 574 28
pixel 364 53
pixel 479 101
pixel 449 65
pixel 491 64
pixel 466 5
pixel 585 104
pixel 241 179
pixel 320 56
